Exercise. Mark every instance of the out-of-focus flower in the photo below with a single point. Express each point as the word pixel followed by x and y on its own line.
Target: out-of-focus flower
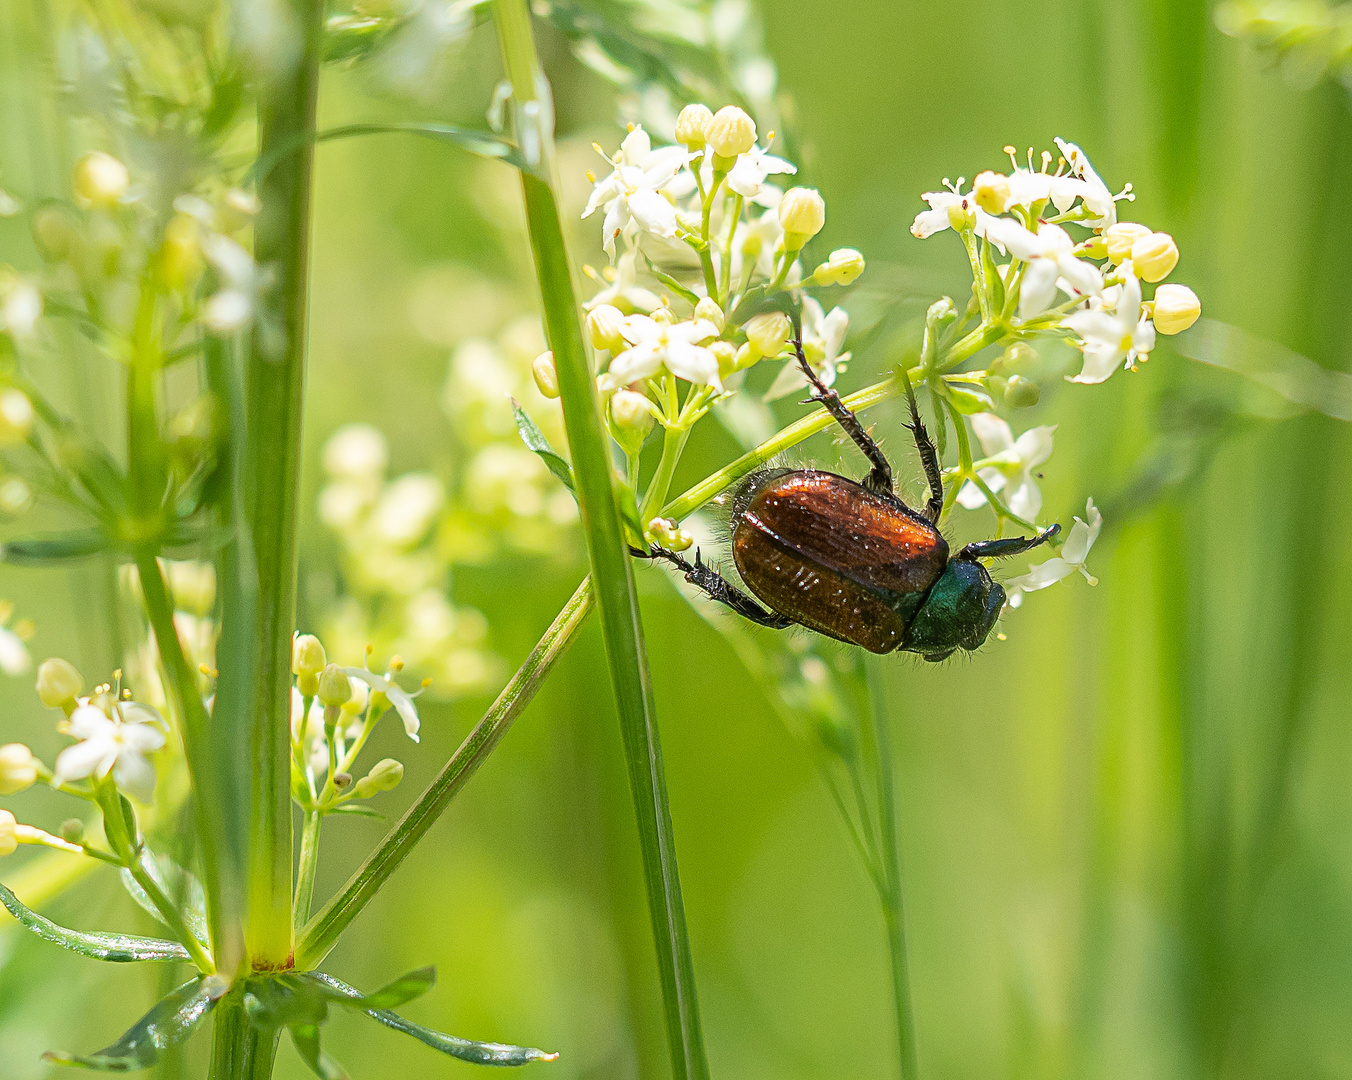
pixel 622 289
pixel 100 179
pixel 20 305
pixel 236 304
pixel 407 508
pixel 823 337
pixel 18 768
pixel 117 744
pixel 59 683
pixel 1011 464
pixel 356 452
pixel 1072 559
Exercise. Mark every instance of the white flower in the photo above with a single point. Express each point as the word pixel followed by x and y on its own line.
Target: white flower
pixel 747 177
pixel 1050 254
pixel 1098 200
pixel 1010 463
pixel 937 218
pixel 823 335
pixel 654 344
pixel 400 698
pixel 631 194
pixel 1113 340
pixel 623 290
pixel 14 658
pixel 308 730
pixel 407 508
pixel 356 452
pixel 1072 558
pixel 119 745
pixel 234 306
pixel 20 308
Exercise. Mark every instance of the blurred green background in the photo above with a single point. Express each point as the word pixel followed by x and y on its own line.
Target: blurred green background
pixel 1125 829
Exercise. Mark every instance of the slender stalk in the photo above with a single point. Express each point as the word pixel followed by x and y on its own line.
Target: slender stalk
pixel 612 575
pixel 894 909
pixel 276 384
pixel 170 914
pixel 309 863
pixel 323 930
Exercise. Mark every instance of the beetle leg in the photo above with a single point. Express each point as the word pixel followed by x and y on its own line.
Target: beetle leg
pixel 879 477
pixel 929 457
pixel 710 581
pixel 1002 549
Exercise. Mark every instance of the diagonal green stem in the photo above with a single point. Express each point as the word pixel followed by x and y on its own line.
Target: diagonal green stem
pixel 323 930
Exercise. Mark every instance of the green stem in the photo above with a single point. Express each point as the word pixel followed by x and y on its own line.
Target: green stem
pixel 239 1049
pixel 733 218
pixel 323 930
pixel 673 442
pixel 276 385
pixel 894 909
pixel 309 863
pixel 171 915
pixel 612 574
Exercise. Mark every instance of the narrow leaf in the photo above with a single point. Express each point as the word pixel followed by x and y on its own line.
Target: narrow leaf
pixel 45 550
pixel 305 1038
pixel 115 948
pixel 167 1024
pixel 478 1053
pixel 689 295
pixel 535 440
pixel 356 810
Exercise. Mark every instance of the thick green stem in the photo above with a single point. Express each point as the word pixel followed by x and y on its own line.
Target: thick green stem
pixel 893 904
pixel 276 383
pixel 612 575
pixel 323 930
pixel 239 1050
pixel 309 863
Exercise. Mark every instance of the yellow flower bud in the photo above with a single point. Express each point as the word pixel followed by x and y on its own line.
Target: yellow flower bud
pixel 842 267
pixel 768 333
pixel 991 192
pixel 18 768
pixel 545 374
pixel 603 327
pixel 1176 308
pixel 1119 238
pixel 1154 256
pixel 708 308
pixel 730 132
pixel 629 411
pixel 802 213
pixel 384 776
pixel 100 179
pixel 356 704
pixel 9 842
pixel 745 357
pixel 307 661
pixel 16 417
pixel 692 126
pixel 665 533
pixel 335 688
pixel 59 683
pixel 726 354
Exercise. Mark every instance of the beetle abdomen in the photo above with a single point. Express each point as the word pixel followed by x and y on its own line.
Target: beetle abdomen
pixel 832 555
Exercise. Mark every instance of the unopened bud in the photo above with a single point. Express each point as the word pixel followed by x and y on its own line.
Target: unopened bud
pixel 842 267
pixel 1021 393
pixel 16 417
pixel 632 419
pixel 59 684
pixel 665 533
pixel 1119 238
pixel 991 192
pixel 9 842
pixel 72 830
pixel 181 257
pixel 335 688
pixel 307 661
pixel 384 776
pixel 18 768
pixel 1018 357
pixel 692 126
pixel 768 333
pixel 1154 256
pixel 603 327
pixel 708 309
pixel 356 704
pixel 725 352
pixel 1176 308
pixel 730 132
pixel 802 213
pixel 545 374
pixel 342 780
pixel 100 179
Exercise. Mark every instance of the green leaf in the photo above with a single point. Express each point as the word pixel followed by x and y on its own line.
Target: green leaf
pixel 115 948
pixel 535 440
pixel 305 1038
pixel 167 1024
pixel 177 884
pixel 478 1053
pixel 46 550
pixel 356 810
pixel 284 1000
pixel 689 295
pixel 402 990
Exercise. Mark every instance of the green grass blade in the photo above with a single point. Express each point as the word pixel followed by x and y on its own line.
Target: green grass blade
pixel 612 574
pixel 98 945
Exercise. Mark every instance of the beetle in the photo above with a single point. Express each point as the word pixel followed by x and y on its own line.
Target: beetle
pixel 850 559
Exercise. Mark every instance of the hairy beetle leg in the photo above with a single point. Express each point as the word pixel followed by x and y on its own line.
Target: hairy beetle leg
pixel 1002 549
pixel 929 457
pixel 711 582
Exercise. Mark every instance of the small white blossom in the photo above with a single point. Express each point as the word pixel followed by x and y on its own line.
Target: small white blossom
pixel 1097 199
pixel 119 745
pixel 937 218
pixel 356 452
pixel 1050 254
pixel 407 508
pixel 632 194
pixel 400 698
pixel 236 303
pixel 1011 464
pixel 1072 559
pixel 14 657
pixel 823 336
pixel 654 344
pixel 1116 339
pixel 20 308
pixel 747 177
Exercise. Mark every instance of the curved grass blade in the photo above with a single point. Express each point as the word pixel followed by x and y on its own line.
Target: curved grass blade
pixel 115 948
pixel 536 442
pixel 477 1053
pixel 167 1024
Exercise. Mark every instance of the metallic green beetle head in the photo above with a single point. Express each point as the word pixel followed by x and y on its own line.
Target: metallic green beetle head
pixel 958 613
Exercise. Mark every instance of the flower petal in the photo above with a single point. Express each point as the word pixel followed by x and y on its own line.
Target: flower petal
pixel 994 433
pixel 87 758
pixel 135 775
pixel 1042 575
